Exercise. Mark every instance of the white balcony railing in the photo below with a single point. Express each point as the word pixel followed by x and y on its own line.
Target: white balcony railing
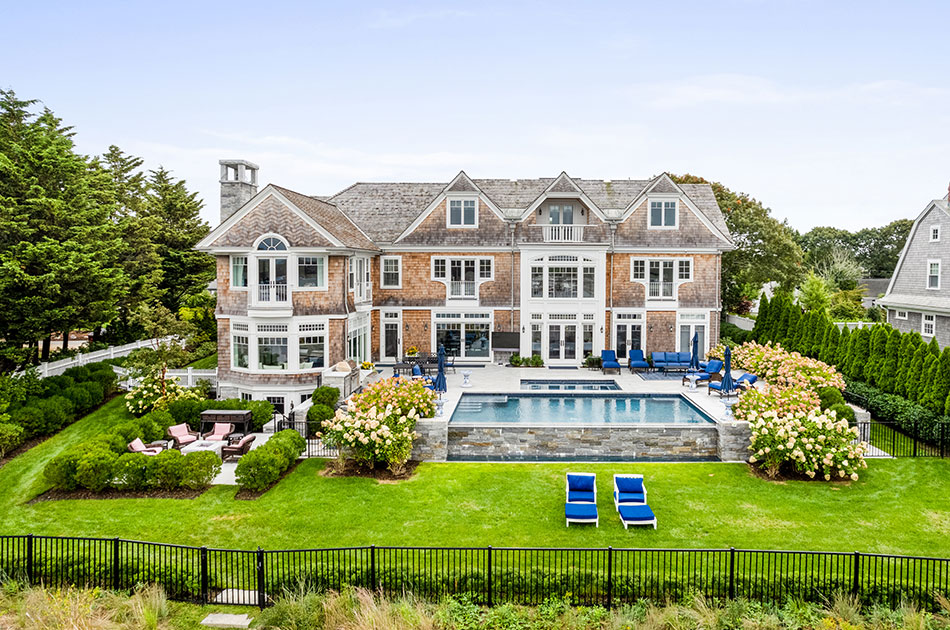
pixel 661 290
pixel 272 293
pixel 464 289
pixel 563 233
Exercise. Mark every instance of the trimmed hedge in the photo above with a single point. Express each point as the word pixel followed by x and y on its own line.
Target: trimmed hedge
pixel 189 411
pixel 913 419
pixel 263 466
pixel 326 395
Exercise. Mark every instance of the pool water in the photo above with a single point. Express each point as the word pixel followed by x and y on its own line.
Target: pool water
pixel 569 385
pixel 585 408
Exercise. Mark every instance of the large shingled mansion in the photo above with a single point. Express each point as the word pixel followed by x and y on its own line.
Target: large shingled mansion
pixel 566 267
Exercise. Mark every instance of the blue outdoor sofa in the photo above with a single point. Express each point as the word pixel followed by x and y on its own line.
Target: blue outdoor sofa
pixel 671 360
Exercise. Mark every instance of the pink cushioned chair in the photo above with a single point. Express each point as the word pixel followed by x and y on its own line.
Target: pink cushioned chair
pixel 182 435
pixel 137 446
pixel 221 432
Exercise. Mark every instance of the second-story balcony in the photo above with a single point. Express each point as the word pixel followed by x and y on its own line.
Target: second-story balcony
pixel 462 290
pixel 566 233
pixel 661 290
pixel 272 293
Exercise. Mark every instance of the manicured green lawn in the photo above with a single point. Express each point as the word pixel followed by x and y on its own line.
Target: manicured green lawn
pixel 205 363
pixel 899 506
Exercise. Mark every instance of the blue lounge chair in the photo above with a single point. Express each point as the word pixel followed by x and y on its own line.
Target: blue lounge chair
pixel 580 504
pixel 608 361
pixel 636 361
pixel 709 373
pixel 636 514
pixel 746 381
pixel 717 388
pixel 629 490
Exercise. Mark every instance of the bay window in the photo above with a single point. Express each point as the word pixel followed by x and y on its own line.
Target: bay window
pixel 312 352
pixel 239 351
pixel 272 353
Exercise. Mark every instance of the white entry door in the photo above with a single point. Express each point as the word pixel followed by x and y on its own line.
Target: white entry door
pixel 391 337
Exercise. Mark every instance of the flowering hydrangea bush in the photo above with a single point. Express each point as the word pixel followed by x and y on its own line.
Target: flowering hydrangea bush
pixel 781 368
pixel 150 394
pixel 815 443
pixel 378 425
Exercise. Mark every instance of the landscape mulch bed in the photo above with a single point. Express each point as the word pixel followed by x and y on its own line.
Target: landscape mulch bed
pixel 352 469
pixel 111 493
pixel 793 475
pixel 251 495
pixel 22 448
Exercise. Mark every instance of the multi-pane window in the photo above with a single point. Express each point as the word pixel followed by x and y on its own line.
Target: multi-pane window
pixel 537 282
pixel 484 268
pixel 561 214
pixel 239 271
pixel 272 244
pixel 901 314
pixel 438 269
pixel 929 325
pixel 639 269
pixel 588 282
pixel 934 233
pixel 311 271
pixel 661 278
pixel 562 282
pixel 239 351
pixel 312 353
pixel 933 274
pixel 685 269
pixel 272 353
pixel 392 272
pixel 662 214
pixel 462 212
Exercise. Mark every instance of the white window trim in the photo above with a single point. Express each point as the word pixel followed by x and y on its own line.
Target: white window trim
pixel 295 273
pixel 382 272
pixel 897 315
pixel 448 270
pixel 448 212
pixel 676 213
pixel 923 325
pixel 292 334
pixel 247 272
pixel 704 322
pixel 464 320
pixel 546 264
pixel 932 229
pixel 617 321
pixel 645 280
pixel 366 284
pixel 932 261
pixel 678 262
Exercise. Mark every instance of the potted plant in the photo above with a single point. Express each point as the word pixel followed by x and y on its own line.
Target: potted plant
pixel 515 360
pixel 412 351
pixel 537 361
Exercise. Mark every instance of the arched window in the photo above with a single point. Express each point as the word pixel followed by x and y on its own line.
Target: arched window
pixel 271 244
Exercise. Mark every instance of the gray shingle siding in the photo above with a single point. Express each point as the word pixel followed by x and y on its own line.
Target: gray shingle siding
pixel 911 276
pixel 914 321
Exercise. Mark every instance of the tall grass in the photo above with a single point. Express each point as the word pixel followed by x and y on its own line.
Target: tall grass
pixel 40 608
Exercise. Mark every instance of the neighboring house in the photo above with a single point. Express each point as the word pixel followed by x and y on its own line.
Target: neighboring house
pixel 918 296
pixel 565 266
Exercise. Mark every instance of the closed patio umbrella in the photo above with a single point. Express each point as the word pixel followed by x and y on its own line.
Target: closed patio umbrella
pixel 727 384
pixel 694 359
pixel 439 382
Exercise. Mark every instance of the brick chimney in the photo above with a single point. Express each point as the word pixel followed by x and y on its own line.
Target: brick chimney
pixel 238 185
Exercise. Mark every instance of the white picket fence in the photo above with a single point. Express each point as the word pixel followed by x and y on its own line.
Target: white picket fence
pixel 746 323
pixel 187 377
pixel 55 368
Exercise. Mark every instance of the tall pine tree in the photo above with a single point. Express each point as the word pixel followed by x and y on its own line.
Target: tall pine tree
pixel 887 378
pixel 759 330
pixel 844 349
pixel 939 386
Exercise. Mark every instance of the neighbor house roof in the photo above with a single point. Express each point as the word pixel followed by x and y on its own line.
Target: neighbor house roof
pixel 924 302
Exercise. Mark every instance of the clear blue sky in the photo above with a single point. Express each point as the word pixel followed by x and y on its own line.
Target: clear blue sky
pixel 830 112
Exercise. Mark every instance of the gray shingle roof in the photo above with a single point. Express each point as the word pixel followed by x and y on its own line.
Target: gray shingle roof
pixel 926 302
pixel 385 210
pixel 702 195
pixel 329 218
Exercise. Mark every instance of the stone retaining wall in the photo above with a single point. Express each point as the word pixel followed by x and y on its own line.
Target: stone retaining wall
pixel 734 439
pixel 666 443
pixel 432 443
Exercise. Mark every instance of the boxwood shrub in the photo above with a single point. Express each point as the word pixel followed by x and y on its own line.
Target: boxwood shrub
pixel 326 395
pixel 11 436
pixel 263 466
pixel 189 411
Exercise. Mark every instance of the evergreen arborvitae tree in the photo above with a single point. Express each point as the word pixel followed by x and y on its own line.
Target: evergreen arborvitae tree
pixel 781 319
pixel 928 371
pixel 876 352
pixel 939 384
pixel 818 333
pixel 844 349
pixel 829 345
pixel 794 319
pixel 909 345
pixel 934 348
pixel 759 330
pixel 887 377
pixel 915 373
pixel 860 349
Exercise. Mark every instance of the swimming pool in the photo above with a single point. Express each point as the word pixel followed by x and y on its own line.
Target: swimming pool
pixel 569 385
pixel 578 408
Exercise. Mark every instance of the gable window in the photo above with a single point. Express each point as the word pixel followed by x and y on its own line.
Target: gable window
pixel 392 272
pixel 639 269
pixel 929 326
pixel 271 244
pixel 663 214
pixel 561 214
pixel 934 233
pixel 484 269
pixel 238 271
pixel 933 274
pixel 685 270
pixel 462 213
pixel 311 272
pixel 900 314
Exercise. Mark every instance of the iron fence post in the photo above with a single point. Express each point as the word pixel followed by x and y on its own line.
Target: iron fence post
pixel 610 577
pixel 943 439
pixel 372 568
pixel 115 564
pixel 29 559
pixel 489 577
pixel 732 572
pixel 204 575
pixel 856 578
pixel 260 578
pixel 916 433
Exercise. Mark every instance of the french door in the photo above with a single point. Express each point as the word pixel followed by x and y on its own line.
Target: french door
pixel 271 279
pixel 391 342
pixel 561 343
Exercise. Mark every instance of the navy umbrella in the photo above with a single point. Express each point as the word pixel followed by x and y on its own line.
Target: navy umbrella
pixel 439 384
pixel 694 360
pixel 727 384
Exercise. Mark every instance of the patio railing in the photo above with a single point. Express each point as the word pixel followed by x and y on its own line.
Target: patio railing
pixel 488 575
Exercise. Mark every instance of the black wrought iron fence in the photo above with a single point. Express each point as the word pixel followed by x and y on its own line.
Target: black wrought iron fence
pixel 315 446
pixel 489 575
pixel 924 439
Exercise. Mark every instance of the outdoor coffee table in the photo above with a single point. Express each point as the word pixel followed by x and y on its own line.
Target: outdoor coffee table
pixel 214 446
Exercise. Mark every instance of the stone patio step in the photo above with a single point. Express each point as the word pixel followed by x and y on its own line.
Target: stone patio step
pixel 226 620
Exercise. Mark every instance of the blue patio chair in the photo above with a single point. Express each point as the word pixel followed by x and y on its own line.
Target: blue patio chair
pixel 580 505
pixel 608 361
pixel 629 490
pixel 581 513
pixel 636 514
pixel 717 388
pixel 747 381
pixel 416 371
pixel 710 373
pixel 636 361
